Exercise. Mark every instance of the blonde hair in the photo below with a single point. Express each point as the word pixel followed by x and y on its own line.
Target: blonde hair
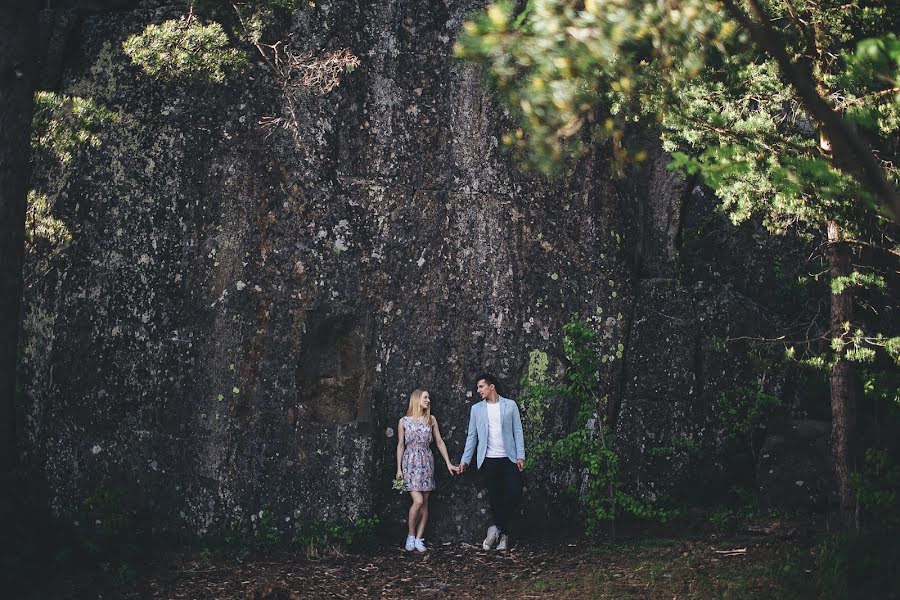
pixel 415 408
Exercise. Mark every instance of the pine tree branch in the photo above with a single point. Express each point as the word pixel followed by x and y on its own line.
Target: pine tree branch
pixel 853 150
pixel 862 99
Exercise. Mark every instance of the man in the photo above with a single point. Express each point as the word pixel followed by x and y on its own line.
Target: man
pixel 495 429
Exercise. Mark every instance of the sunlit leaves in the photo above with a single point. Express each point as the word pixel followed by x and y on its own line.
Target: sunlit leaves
pixel 61 123
pixel 881 56
pixel 839 284
pixel 872 81
pixel 41 225
pixel 185 48
pixel 565 66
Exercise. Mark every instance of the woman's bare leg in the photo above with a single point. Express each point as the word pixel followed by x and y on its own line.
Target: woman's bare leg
pixel 423 515
pixel 415 510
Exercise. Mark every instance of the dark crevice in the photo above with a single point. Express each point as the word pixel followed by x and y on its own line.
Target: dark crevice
pixel 334 382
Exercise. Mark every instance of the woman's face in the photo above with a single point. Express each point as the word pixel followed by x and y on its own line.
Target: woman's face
pixel 424 401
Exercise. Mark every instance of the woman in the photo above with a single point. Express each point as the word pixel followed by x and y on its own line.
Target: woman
pixel 415 464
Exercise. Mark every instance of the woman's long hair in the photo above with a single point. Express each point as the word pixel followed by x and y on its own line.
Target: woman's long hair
pixel 415 409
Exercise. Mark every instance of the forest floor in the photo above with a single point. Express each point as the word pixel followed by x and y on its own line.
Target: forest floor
pixel 763 560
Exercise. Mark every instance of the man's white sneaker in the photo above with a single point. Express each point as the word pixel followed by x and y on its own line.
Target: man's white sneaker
pixel 410 543
pixel 420 545
pixel 504 542
pixel 493 534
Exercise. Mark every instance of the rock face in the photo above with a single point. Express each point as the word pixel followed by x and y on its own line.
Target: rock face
pixel 794 468
pixel 240 316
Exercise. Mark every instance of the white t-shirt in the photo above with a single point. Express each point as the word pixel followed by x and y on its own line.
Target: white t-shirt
pixel 495 447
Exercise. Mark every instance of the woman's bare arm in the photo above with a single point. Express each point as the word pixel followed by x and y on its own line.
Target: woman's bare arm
pixel 401 443
pixel 442 448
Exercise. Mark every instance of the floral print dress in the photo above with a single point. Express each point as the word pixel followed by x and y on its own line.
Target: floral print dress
pixel 418 463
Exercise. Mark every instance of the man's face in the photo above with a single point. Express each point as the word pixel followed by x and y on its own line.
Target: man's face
pixel 484 390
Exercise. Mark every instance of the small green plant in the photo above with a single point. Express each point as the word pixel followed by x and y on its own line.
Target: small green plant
pixel 329 537
pixel 883 387
pixel 62 123
pixel 40 224
pixel 267 533
pixel 185 48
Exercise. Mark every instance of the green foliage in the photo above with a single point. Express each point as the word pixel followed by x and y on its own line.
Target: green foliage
pixel 188 49
pixel 875 66
pixel 883 387
pixel 559 61
pixel 564 66
pixel 745 409
pixel 254 16
pixel 892 347
pixel 590 448
pixel 880 57
pixel 578 73
pixel 855 345
pixel 839 284
pixel 61 123
pixel 40 224
pixel 185 48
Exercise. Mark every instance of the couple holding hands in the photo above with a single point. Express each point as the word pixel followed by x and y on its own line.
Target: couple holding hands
pixel 495 432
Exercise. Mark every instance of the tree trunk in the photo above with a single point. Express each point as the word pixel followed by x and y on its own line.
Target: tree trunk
pixel 18 64
pixel 843 376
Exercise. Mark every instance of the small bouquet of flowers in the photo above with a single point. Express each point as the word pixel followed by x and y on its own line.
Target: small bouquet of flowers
pixel 399 485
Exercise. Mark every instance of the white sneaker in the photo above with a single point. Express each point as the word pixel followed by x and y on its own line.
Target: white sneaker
pixel 420 545
pixel 492 535
pixel 504 542
pixel 410 543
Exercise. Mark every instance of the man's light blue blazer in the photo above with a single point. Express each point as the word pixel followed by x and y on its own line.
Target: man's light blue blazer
pixel 510 424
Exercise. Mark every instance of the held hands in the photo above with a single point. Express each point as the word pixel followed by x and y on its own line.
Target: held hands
pixel 462 467
pixel 454 470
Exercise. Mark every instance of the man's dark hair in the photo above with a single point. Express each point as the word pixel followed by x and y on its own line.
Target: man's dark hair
pixel 489 379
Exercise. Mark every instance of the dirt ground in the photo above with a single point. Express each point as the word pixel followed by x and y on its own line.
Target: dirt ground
pixel 754 563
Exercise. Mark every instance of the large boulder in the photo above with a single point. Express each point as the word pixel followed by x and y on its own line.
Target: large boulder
pixel 794 466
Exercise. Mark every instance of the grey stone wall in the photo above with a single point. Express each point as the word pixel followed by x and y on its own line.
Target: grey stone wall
pixel 241 314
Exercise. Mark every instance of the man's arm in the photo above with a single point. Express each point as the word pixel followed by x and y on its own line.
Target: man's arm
pixel 471 440
pixel 519 437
